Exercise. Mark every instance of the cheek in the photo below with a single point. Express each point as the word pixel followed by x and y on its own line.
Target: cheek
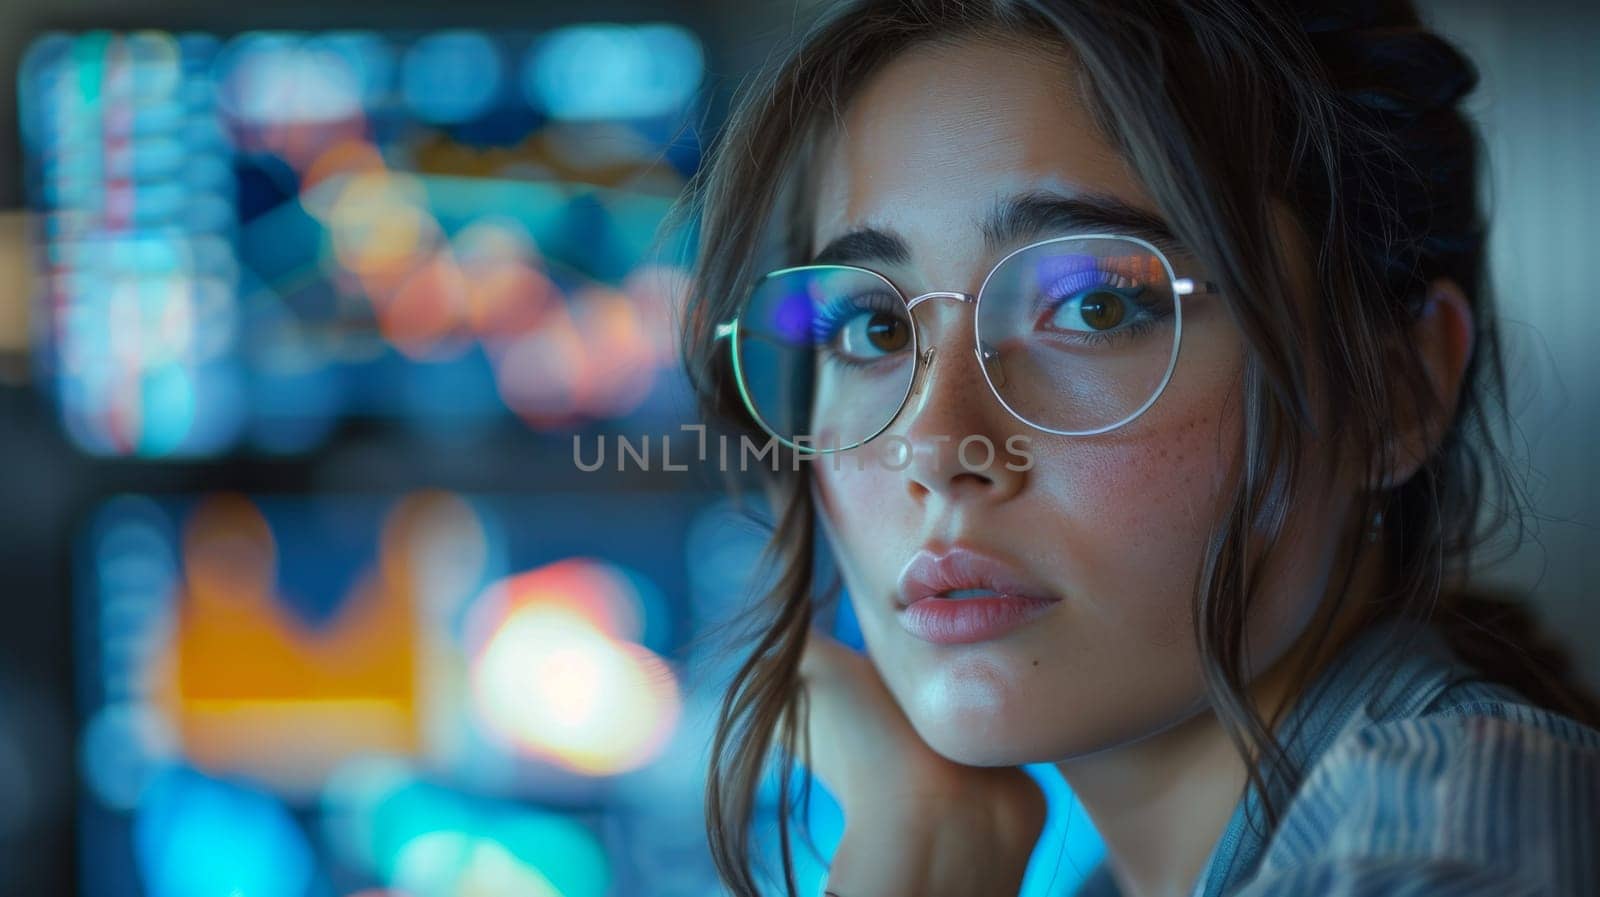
pixel 867 528
pixel 859 484
pixel 1297 576
pixel 1136 512
pixel 1159 481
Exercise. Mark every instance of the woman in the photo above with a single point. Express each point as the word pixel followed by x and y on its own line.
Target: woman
pixel 1135 360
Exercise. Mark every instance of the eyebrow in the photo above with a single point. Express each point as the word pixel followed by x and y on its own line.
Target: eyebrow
pixel 1013 220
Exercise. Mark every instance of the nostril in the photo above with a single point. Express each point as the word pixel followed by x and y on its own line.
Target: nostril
pixel 971 480
pixel 962 483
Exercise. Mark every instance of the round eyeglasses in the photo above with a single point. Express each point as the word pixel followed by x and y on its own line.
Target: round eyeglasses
pixel 1075 335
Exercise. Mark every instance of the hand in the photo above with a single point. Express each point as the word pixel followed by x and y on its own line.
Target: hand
pixel 915 822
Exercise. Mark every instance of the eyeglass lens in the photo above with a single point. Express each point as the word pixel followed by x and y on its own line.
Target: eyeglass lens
pixel 1077 335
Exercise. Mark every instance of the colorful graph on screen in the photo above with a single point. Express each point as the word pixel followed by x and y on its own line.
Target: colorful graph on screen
pixel 433 693
pixel 243 242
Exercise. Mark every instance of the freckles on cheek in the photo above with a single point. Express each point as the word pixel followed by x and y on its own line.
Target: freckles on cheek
pixel 1138 512
pixel 1159 483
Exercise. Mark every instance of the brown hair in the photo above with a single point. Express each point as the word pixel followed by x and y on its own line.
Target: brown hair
pixel 1345 113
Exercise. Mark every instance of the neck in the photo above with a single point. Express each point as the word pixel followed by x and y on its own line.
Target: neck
pixel 1161 803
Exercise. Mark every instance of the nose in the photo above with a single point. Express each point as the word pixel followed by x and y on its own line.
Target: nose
pixel 958 435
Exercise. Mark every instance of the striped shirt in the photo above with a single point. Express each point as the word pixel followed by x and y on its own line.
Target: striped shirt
pixel 1420 778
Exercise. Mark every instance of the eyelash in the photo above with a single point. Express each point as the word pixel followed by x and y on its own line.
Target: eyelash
pixel 826 325
pixel 1050 301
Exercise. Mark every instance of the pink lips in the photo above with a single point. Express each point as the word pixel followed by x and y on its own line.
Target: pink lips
pixel 925 612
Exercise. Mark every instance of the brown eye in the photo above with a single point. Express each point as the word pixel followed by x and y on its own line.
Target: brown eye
pixel 888 333
pixel 870 334
pixel 1102 310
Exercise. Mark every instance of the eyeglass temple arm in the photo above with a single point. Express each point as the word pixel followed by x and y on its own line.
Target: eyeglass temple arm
pixel 1184 286
pixel 726 328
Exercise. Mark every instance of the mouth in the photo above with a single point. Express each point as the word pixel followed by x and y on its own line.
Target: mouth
pixel 966 574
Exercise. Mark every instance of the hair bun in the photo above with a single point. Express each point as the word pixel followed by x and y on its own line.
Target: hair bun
pixel 1337 15
pixel 1405 71
pixel 1381 57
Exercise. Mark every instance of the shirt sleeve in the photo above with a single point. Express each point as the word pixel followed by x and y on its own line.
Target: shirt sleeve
pixel 1489 798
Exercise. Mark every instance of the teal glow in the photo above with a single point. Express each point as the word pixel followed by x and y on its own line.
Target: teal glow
pixel 563 851
pixel 195 836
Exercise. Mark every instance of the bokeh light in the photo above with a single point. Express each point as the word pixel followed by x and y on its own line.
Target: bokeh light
pixel 558 672
pixel 425 839
pixel 451 77
pixel 614 71
pixel 266 79
pixel 243 236
pixel 196 836
pixel 285 243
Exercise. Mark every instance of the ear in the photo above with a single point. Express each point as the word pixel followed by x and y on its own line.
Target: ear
pixel 1442 335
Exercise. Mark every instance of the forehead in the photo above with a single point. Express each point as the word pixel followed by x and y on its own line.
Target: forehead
pixel 941 132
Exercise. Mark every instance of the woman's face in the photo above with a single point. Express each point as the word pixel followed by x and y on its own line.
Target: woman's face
pixel 1114 524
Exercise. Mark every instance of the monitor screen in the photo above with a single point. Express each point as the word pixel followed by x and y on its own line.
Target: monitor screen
pixel 243 242
pixel 431 692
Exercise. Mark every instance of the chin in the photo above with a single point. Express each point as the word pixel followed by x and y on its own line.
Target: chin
pixel 1003 742
pixel 978 716
pixel 971 748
